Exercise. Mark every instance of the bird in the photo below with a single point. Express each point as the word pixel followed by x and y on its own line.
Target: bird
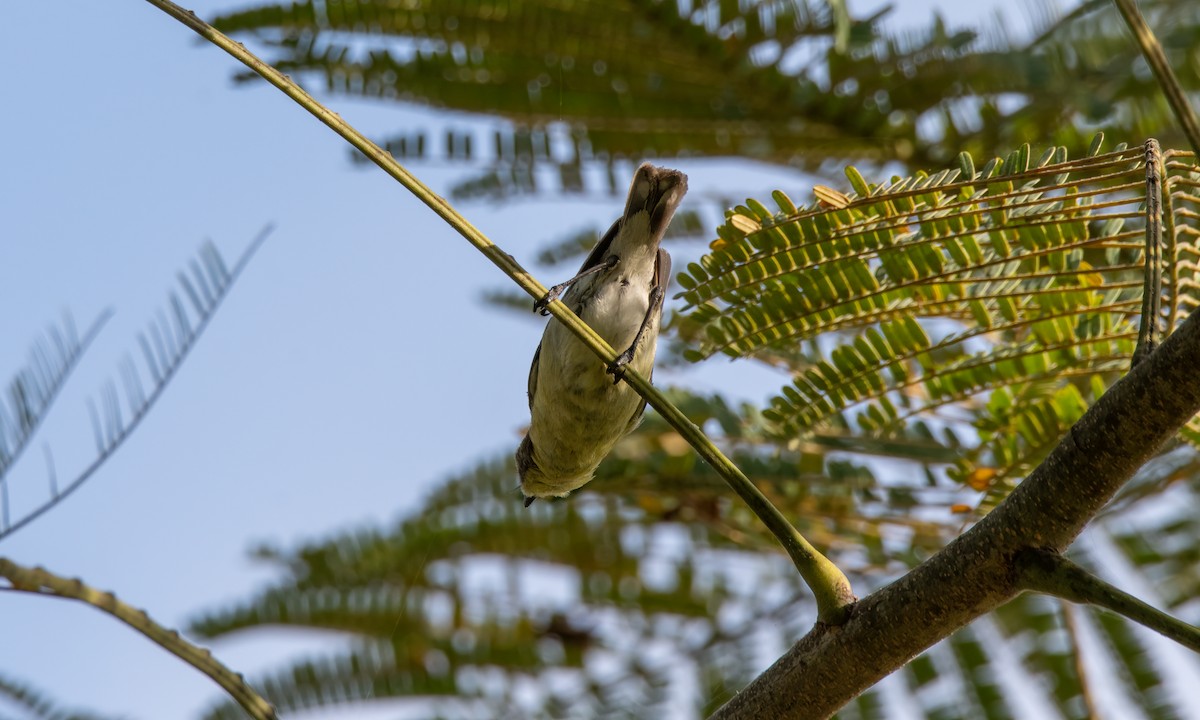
pixel 578 408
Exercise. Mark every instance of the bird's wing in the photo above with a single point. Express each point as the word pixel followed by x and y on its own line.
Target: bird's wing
pixel 662 271
pixel 637 416
pixel 600 252
pixel 595 257
pixel 662 278
pixel 533 373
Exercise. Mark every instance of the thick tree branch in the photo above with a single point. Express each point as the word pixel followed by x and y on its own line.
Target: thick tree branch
pixel 829 585
pixel 39 581
pixel 1052 574
pixel 978 571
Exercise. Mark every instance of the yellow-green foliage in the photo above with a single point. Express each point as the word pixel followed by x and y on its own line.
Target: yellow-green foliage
pixel 1015 291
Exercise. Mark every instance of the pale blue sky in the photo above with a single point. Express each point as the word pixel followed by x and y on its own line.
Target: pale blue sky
pixel 351 369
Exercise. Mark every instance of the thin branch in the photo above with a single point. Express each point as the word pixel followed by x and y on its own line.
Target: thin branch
pixel 1052 574
pixel 1065 21
pixel 1157 60
pixel 1148 324
pixel 39 581
pixel 830 586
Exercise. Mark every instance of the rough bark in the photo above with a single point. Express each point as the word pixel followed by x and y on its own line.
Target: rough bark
pixel 976 573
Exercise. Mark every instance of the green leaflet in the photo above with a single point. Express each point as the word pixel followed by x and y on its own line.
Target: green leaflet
pixel 1021 283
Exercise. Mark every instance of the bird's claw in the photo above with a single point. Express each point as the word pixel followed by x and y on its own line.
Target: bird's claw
pixel 616 368
pixel 539 306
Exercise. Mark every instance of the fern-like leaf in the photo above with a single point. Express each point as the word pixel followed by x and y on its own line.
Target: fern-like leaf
pixel 1015 290
pixel 164 347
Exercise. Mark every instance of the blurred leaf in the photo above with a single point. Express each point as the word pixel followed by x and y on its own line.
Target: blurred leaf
pixel 941 331
pixel 577 91
pixel 36 705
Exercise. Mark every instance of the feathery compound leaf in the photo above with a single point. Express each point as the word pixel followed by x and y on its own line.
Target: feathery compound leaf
pixel 30 395
pixel 206 287
pixel 575 89
pixel 936 290
pixel 33 389
pixel 441 602
pixel 599 604
pixel 36 705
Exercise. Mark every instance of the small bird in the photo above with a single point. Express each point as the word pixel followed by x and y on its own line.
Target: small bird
pixel 578 413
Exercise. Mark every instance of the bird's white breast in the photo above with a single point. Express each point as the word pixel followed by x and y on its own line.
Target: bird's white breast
pixel 589 413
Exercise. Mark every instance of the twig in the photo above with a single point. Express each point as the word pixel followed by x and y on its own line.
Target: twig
pixel 1153 52
pixel 1071 620
pixel 1148 324
pixel 39 581
pixel 1052 574
pixel 830 586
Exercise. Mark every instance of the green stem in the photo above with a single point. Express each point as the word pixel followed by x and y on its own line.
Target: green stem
pixel 1157 59
pixel 40 581
pixel 1052 574
pixel 832 590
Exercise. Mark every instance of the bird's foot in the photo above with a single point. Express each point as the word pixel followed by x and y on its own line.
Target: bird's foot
pixel 616 368
pixel 609 263
pixel 539 306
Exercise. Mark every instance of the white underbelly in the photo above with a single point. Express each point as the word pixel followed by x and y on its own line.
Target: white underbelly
pixel 578 412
